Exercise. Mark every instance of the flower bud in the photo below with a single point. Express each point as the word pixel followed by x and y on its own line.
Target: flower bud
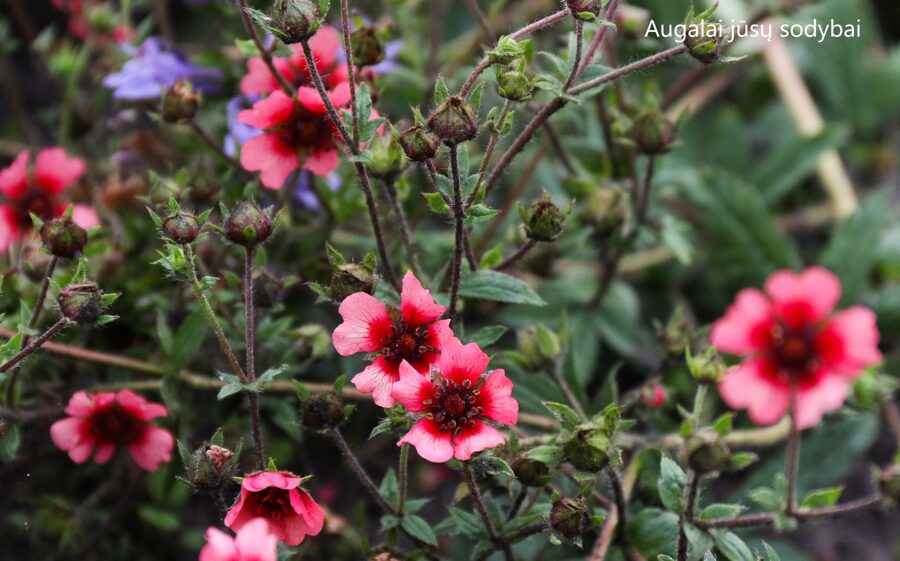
pixel 295 20
pixel 454 121
pixel 631 21
pixel 588 449
pixel 81 302
pixel 531 473
pixel 350 278
pixel 101 19
pixel 322 411
pixel 707 452
pixel 419 143
pixel 706 367
pixel 218 456
pixel 538 345
pixel 543 220
pixel 653 133
pixel 367 45
pixel 387 157
pixel 248 225
pixel 889 483
pixel 704 41
pixel 653 395
pixel 62 237
pixel 515 85
pixel 180 102
pixel 210 467
pixel 569 517
pixel 584 9
pixel 606 209
pixel 181 227
pixel 678 332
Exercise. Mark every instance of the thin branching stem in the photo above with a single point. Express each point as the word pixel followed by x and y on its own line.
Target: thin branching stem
pixel 459 226
pixel 35 344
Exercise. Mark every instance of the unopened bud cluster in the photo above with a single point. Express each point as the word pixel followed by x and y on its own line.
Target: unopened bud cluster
pixel 61 237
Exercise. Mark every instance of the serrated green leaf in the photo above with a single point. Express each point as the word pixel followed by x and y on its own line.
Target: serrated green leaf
pixel 499 287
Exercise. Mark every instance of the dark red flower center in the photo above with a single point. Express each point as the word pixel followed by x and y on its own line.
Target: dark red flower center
pixel 271 502
pixel 455 405
pixel 794 351
pixel 34 201
pixel 405 342
pixel 305 130
pixel 115 425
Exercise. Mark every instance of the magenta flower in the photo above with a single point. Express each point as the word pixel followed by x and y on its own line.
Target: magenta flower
pixel 277 497
pixel 100 423
pixel 37 191
pixel 254 542
pixel 456 403
pixel 790 339
pixel 413 334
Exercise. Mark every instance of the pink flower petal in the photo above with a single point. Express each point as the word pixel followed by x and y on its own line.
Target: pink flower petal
pixel 14 179
pixel 258 79
pixel 85 216
pixel 803 298
pixel 269 111
pixel 849 342
pixel 152 448
pixel 481 437
pixel 325 45
pixel 139 407
pixel 219 547
pixel 497 400
pixel 9 228
pixel 264 479
pixel 268 154
pixel 82 404
pixel 460 362
pixel 54 170
pixel 366 324
pixel 71 433
pixel 814 401
pixel 432 444
pixel 746 326
pixel 412 389
pixel 377 379
pixel 416 304
pixel 752 386
pixel 104 452
pixel 322 162
pixel 254 542
pixel 308 510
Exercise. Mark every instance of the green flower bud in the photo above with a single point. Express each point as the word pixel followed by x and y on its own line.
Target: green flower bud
pixel 653 133
pixel 531 473
pixel 707 452
pixel 543 219
pixel 606 209
pixel 180 102
pixel 387 156
pixel 678 332
pixel 704 41
pixel 631 21
pixel 62 237
pixel 588 449
pixel 322 411
pixel 569 517
pixel 419 143
pixel 181 227
pixel 101 19
pixel 368 45
pixel 538 345
pixel 248 225
pixel 515 85
pixel 350 278
pixel 454 121
pixel 706 367
pixel 295 20
pixel 81 302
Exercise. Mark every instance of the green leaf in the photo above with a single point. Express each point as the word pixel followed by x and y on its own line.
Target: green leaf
pixel 731 546
pixel 440 92
pixel 492 257
pixel 672 481
pixel 417 527
pixel 822 498
pixel 721 510
pixel 479 213
pixel 566 416
pixel 188 339
pixel 10 440
pixel 437 203
pixel 549 454
pixel 390 487
pixel 793 161
pixel 487 335
pixel 494 465
pixel 742 460
pixel 771 555
pixel 462 522
pixel 499 287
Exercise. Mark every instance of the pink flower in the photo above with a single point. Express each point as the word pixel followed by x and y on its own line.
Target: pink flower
pixel 326 48
pixel 100 423
pixel 37 191
pixel 297 133
pixel 277 497
pixel 412 334
pixel 790 338
pixel 254 542
pixel 455 403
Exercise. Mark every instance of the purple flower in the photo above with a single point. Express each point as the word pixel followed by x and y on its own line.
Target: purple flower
pixel 155 66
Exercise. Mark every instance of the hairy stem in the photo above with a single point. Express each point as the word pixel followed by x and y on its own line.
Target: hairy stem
pixel 250 342
pixel 351 77
pixel 405 235
pixel 403 474
pixel 459 225
pixel 687 513
pixel 35 344
pixel 793 455
pixel 475 492
pixel 360 472
pixel 519 254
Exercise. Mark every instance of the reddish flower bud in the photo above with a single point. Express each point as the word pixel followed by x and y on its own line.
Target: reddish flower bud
pixel 419 143
pixel 706 452
pixel 704 41
pixel 653 395
pixel 181 227
pixel 218 456
pixel 584 9
pixel 454 121
pixel 81 302
pixel 531 473
pixel 569 517
pixel 62 237
pixel 653 133
pixel 543 220
pixel 180 103
pixel 295 20
pixel 588 449
pixel 322 411
pixel 248 225
pixel 367 45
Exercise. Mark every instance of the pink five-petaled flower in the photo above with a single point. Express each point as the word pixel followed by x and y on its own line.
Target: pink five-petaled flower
pixel 455 402
pixel 253 542
pixel 414 334
pixel 37 192
pixel 296 133
pixel 326 49
pixel 791 339
pixel 277 497
pixel 101 422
